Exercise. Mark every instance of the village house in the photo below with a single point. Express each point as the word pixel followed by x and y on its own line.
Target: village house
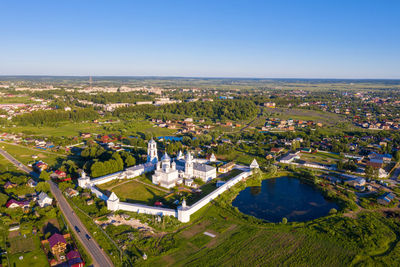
pixel 86 135
pixel 356 182
pixel 270 105
pixel 57 244
pixel 12 204
pixel 226 167
pixel 44 200
pixel 31 183
pixel 9 185
pixel 60 174
pixel 276 150
pixel 74 259
pixel 386 198
pixel 289 158
pixel 70 192
pixel 40 166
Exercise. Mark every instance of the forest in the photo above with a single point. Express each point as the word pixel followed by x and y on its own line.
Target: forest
pixel 50 117
pixel 219 110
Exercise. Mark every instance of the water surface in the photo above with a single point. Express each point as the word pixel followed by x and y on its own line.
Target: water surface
pixel 283 197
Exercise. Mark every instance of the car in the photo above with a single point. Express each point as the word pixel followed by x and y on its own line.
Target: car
pixel 87 237
pixel 77 229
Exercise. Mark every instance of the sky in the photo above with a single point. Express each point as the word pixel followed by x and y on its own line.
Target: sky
pixel 201 38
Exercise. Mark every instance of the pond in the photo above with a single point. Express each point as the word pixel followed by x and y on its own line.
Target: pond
pixel 170 138
pixel 283 197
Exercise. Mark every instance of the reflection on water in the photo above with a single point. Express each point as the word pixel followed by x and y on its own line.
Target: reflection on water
pixel 255 190
pixel 283 197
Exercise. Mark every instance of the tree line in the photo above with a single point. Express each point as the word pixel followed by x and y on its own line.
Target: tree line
pixel 48 117
pixel 216 110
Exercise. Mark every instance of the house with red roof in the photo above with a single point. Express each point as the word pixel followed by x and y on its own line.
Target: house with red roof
pixel 40 166
pixel 74 259
pixel 60 174
pixel 276 150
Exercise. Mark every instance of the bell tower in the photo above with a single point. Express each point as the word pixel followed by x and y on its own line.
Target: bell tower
pixel 152 151
pixel 188 165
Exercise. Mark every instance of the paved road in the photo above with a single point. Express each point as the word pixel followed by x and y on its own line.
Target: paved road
pixel 99 257
pixel 396 173
pixel 15 162
pixel 248 124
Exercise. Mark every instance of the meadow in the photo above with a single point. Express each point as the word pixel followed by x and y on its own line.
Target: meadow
pixel 67 129
pixel 134 191
pixel 28 248
pixel 24 154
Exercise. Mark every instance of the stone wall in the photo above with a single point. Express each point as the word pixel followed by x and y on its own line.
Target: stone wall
pixel 185 212
pixel 182 213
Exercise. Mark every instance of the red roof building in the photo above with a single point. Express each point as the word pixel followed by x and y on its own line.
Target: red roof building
pixel 60 174
pixel 74 259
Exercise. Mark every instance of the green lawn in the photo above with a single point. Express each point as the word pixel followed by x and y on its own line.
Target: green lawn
pixel 6 166
pixel 24 154
pixel 134 191
pixel 141 126
pixel 324 158
pixel 29 248
pixel 67 129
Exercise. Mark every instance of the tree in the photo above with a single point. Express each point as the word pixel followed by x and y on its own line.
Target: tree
pixel 18 179
pixel 3 199
pixel 65 185
pixel 43 186
pixel 284 220
pixel 371 172
pixel 97 169
pixel 333 211
pixel 397 156
pixel 44 176
pixel 130 161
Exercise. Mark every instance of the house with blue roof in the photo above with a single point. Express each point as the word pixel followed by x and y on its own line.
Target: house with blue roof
pixel 386 198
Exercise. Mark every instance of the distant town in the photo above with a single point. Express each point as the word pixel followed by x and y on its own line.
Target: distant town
pixel 142 171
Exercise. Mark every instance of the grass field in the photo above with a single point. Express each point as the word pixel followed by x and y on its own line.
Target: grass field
pixel 240 244
pixel 24 154
pixel 16 99
pixel 324 158
pixel 6 166
pixel 134 191
pixel 67 129
pixel 141 126
pixel 28 248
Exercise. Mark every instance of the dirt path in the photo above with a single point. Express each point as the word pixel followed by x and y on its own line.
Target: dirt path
pixel 153 186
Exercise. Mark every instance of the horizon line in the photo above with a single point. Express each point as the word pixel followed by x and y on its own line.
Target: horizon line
pixel 197 77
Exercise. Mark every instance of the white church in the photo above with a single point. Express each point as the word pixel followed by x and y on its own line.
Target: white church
pixel 168 172
pixel 182 169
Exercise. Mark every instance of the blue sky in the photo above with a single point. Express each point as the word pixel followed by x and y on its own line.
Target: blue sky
pixel 266 39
